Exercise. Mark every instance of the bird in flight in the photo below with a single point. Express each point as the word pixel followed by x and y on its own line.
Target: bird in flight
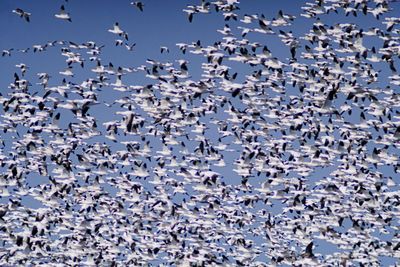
pixel 118 31
pixel 63 14
pixel 138 4
pixel 22 14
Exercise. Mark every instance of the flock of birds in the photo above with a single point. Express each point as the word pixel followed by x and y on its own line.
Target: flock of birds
pixel 288 160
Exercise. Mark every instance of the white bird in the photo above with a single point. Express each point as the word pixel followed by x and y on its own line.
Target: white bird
pixel 63 14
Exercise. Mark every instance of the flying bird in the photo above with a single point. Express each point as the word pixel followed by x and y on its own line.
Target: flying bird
pixel 138 4
pixel 63 14
pixel 22 14
pixel 118 31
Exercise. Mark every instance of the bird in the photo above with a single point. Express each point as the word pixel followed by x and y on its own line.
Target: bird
pixel 117 30
pixel 63 14
pixel 164 49
pixel 138 4
pixel 130 47
pixel 22 14
pixel 7 52
pixel 22 67
pixel 190 14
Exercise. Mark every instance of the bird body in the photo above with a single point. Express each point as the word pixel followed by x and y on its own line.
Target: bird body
pixel 63 14
pixel 23 14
